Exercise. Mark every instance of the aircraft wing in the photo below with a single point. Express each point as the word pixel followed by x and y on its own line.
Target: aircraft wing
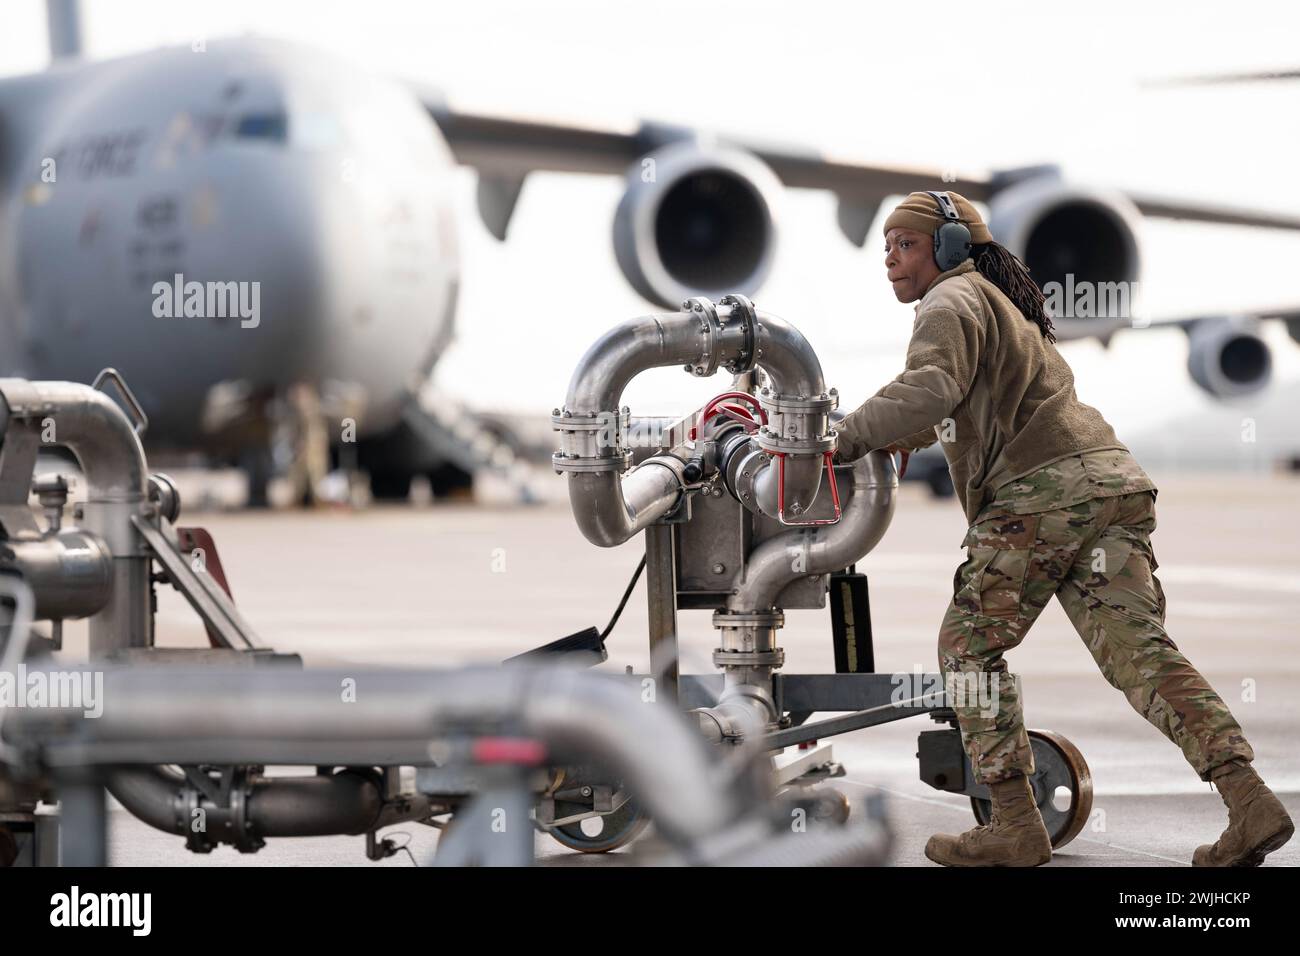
pixel 1227 354
pixel 1167 208
pixel 1219 79
pixel 1288 315
pixel 505 149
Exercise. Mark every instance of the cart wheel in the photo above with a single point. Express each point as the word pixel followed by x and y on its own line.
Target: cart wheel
pixel 822 804
pixel 1058 765
pixel 835 804
pixel 615 830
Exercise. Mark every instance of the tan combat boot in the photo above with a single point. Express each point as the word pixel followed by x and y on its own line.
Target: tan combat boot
pixel 1014 836
pixel 1257 822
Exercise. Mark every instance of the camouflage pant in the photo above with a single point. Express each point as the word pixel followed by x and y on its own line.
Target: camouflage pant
pixel 1096 558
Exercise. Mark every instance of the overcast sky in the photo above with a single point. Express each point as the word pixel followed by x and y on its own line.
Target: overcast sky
pixel 1000 85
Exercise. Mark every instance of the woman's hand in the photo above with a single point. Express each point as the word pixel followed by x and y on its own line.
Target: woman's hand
pixel 839 458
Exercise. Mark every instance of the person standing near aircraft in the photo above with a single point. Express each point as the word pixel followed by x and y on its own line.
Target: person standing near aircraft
pixel 1057 506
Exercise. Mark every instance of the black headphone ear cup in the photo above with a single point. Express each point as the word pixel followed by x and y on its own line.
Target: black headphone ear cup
pixel 951 245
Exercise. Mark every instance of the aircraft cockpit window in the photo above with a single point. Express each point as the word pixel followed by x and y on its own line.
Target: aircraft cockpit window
pixel 268 126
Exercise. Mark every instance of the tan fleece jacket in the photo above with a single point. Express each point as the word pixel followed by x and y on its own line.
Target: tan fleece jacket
pixel 982 380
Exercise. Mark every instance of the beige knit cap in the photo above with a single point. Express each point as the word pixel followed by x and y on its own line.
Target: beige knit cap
pixel 920 212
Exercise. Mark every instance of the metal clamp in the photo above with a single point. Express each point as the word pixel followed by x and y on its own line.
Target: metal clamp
pixel 780 493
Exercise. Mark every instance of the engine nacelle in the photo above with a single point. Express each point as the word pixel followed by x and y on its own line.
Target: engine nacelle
pixel 1071 235
pixel 696 220
pixel 1228 357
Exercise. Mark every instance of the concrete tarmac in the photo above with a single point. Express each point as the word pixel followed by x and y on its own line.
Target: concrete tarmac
pixel 442 585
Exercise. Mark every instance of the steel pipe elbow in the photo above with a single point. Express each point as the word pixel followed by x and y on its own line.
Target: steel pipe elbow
pixel 770 567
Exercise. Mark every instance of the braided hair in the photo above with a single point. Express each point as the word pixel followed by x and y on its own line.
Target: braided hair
pixel 1005 270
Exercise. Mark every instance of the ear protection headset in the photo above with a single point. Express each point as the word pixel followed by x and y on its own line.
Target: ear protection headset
pixel 952 238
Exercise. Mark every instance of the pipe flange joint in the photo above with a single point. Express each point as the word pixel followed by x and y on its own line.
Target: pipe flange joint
pixel 575 463
pixel 797 424
pixel 245 836
pixel 595 442
pixel 748 618
pixel 822 404
pixel 818 445
pixel 775 658
pixel 737 311
pixel 191 808
pixel 706 313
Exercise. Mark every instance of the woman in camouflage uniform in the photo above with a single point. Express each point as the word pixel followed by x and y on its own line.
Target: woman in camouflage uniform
pixel 1057 506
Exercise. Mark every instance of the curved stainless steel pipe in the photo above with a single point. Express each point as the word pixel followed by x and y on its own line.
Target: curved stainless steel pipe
pixel 91 425
pixel 664 339
pixel 745 709
pixel 214 716
pixel 151 794
pixel 787 357
pixel 610 509
pixel 625 351
pixel 345 802
pixel 770 566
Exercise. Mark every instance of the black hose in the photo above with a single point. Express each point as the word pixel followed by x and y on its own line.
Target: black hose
pixel 636 576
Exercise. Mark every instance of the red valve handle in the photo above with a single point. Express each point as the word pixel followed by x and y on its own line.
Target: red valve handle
pixel 715 407
pixel 739 396
pixel 738 413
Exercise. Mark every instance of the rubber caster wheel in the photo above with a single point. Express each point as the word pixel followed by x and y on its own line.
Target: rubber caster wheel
pixel 604 833
pixel 1059 767
pixel 823 805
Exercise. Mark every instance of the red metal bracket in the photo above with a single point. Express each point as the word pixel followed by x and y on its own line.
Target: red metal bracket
pixel 190 539
pixel 780 493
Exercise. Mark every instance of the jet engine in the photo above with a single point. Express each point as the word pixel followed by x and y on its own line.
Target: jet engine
pixel 1228 357
pixel 1070 235
pixel 696 220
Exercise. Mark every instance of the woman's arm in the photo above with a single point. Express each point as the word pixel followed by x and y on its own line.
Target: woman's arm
pixel 941 361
